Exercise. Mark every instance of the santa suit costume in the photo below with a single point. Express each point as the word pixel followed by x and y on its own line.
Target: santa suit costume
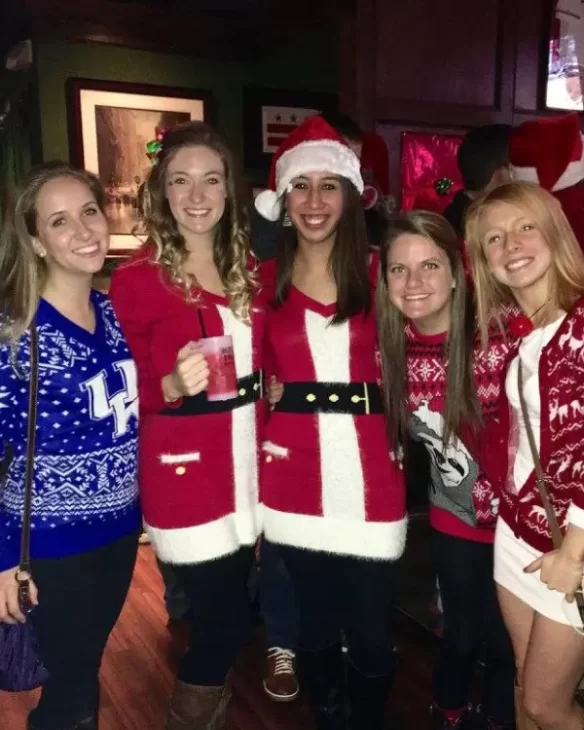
pixel 332 489
pixel 198 459
pixel 463 513
pixel 550 153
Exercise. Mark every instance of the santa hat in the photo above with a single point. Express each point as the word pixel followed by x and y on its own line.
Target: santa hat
pixel 314 146
pixel 548 152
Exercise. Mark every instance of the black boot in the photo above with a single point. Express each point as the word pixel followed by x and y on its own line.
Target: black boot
pixel 322 676
pixel 367 697
pixel 440 721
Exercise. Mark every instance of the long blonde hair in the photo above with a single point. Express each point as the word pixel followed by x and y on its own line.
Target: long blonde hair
pixel 231 247
pixel 567 267
pixel 22 272
pixel 461 405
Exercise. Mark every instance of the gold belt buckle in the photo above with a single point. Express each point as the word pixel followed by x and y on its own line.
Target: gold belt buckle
pixel 357 399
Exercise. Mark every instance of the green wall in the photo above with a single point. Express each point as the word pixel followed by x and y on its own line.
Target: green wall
pixel 310 63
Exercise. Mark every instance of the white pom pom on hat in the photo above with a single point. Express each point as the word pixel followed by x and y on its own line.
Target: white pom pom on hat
pixel 314 146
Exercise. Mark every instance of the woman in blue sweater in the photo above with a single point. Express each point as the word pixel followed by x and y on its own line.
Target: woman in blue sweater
pixel 85 517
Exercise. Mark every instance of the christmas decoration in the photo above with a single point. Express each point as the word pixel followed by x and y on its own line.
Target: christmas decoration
pixel 520 325
pixel 155 145
pixel 427 162
pixel 443 185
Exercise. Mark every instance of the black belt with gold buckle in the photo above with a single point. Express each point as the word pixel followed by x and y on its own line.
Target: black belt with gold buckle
pixel 249 390
pixel 357 399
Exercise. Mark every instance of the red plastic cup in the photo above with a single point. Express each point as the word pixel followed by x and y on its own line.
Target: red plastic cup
pixel 218 352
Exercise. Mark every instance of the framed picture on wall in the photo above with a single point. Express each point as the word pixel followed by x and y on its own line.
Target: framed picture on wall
pixel 565 68
pixel 110 124
pixel 269 115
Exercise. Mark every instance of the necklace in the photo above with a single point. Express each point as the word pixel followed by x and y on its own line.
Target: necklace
pixel 521 325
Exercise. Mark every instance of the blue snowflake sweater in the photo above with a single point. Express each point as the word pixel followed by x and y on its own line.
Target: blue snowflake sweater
pixel 85 483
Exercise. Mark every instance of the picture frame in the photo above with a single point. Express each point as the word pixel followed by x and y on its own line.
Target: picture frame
pixel 564 68
pixel 109 125
pixel 263 130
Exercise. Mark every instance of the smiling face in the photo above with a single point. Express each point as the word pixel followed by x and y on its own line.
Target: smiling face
pixel 419 282
pixel 196 190
pixel 517 254
pixel 315 205
pixel 72 232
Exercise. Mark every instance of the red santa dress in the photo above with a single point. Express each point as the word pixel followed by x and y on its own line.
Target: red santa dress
pixel 198 460
pixel 330 480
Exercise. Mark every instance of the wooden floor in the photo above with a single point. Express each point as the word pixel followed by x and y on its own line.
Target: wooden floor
pixel 138 670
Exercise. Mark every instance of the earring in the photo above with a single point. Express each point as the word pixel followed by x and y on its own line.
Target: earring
pixel 286 221
pixel 40 252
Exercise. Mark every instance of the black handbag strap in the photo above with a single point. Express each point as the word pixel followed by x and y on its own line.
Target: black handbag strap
pixel 30 451
pixel 540 479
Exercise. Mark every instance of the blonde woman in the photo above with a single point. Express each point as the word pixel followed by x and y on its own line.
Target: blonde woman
pixel 524 250
pixel 198 458
pixel 85 515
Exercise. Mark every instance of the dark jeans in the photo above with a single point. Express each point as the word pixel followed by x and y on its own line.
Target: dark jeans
pixel 219 599
pixel 80 599
pixel 277 599
pixel 473 628
pixel 175 599
pixel 340 595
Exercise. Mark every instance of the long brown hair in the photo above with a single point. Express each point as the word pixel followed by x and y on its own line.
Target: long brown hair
pixel 22 272
pixel 462 404
pixel 545 212
pixel 231 247
pixel 349 260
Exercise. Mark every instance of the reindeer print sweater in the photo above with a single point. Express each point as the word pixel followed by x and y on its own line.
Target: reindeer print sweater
pixel 554 392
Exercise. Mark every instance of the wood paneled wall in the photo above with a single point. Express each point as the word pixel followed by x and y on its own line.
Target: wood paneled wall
pixel 442 67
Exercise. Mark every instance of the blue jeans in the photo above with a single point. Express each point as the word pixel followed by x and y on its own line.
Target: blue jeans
pixel 277 599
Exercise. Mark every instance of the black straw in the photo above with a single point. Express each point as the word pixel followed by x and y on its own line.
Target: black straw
pixel 202 323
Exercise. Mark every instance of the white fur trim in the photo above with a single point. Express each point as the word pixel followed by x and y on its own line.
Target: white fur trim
pixel 375 540
pixel 268 204
pixel 343 483
pixel 271 448
pixel 576 516
pixel 320 155
pixel 243 420
pixel 180 458
pixel 573 174
pixel 189 545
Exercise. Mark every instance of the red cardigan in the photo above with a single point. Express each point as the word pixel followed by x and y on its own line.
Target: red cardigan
pixel 561 387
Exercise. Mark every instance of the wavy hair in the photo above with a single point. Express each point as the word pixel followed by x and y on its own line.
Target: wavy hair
pixel 545 212
pixel 22 272
pixel 231 245
pixel 462 405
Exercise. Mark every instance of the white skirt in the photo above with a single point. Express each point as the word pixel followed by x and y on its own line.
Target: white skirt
pixel 512 555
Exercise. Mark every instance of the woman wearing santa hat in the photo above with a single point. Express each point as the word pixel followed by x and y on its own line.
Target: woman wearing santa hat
pixel 198 457
pixel 332 487
pixel 523 250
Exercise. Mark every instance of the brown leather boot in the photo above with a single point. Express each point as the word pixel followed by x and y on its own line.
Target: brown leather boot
pixel 522 719
pixel 195 707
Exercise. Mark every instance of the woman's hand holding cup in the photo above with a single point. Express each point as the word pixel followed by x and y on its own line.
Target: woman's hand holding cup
pixel 190 375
